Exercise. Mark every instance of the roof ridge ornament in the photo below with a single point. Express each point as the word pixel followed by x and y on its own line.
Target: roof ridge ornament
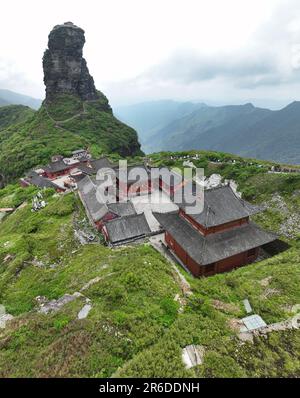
pixel 207 214
pixel 237 197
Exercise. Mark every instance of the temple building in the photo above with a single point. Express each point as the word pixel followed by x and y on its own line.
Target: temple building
pixel 33 178
pixel 118 221
pixel 218 239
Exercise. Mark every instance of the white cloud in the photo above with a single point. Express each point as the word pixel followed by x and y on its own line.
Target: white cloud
pixel 136 50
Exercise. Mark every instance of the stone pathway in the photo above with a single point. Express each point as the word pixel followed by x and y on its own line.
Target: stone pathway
pixel 45 306
pixel 95 280
pixel 65 120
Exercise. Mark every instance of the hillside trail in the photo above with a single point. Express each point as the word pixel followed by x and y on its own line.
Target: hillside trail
pixel 82 112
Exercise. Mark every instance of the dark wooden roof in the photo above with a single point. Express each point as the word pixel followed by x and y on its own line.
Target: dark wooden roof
pixel 214 247
pixel 97 209
pixel 87 191
pixel 85 169
pixel 78 177
pixel 222 205
pixel 55 167
pixel 39 181
pixel 128 228
pixel 122 209
pixel 101 163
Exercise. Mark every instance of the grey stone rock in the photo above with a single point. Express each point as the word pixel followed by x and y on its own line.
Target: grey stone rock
pixel 46 306
pixel 83 313
pixel 4 317
pixel 193 355
pixel 65 69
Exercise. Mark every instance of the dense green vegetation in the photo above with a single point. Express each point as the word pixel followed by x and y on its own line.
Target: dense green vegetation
pixel 14 114
pixel 132 305
pixel 251 175
pixel 85 125
pixel 64 107
pixel 209 319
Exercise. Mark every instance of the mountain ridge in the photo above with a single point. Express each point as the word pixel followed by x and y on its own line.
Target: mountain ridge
pixel 8 97
pixel 149 116
pixel 245 130
pixel 14 114
pixel 182 132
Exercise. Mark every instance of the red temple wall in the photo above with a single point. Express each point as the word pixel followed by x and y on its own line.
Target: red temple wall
pixel 211 230
pixel 197 270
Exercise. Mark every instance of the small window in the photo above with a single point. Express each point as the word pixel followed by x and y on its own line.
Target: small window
pixel 251 252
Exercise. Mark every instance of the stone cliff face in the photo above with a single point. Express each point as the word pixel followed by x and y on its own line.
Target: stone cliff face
pixel 65 69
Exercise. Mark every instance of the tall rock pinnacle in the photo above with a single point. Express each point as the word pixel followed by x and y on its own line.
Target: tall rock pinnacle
pixel 65 69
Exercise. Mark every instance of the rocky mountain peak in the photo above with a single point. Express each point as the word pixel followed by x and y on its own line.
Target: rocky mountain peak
pixel 65 69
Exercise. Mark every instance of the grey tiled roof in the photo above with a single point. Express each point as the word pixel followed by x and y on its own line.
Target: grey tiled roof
pixel 85 169
pixel 214 247
pixel 221 206
pixel 122 209
pixel 101 163
pixel 39 181
pixel 97 210
pixel 87 192
pixel 78 177
pixel 55 167
pixel 124 229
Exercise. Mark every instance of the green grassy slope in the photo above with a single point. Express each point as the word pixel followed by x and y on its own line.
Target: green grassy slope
pixel 202 323
pixel 131 307
pixel 14 114
pixel 60 127
pixel 135 327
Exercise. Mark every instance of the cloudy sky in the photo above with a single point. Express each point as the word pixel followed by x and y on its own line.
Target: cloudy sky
pixel 216 51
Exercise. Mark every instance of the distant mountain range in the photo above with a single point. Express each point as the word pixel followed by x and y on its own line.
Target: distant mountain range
pixel 169 125
pixel 8 97
pixel 241 129
pixel 3 102
pixel 149 117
